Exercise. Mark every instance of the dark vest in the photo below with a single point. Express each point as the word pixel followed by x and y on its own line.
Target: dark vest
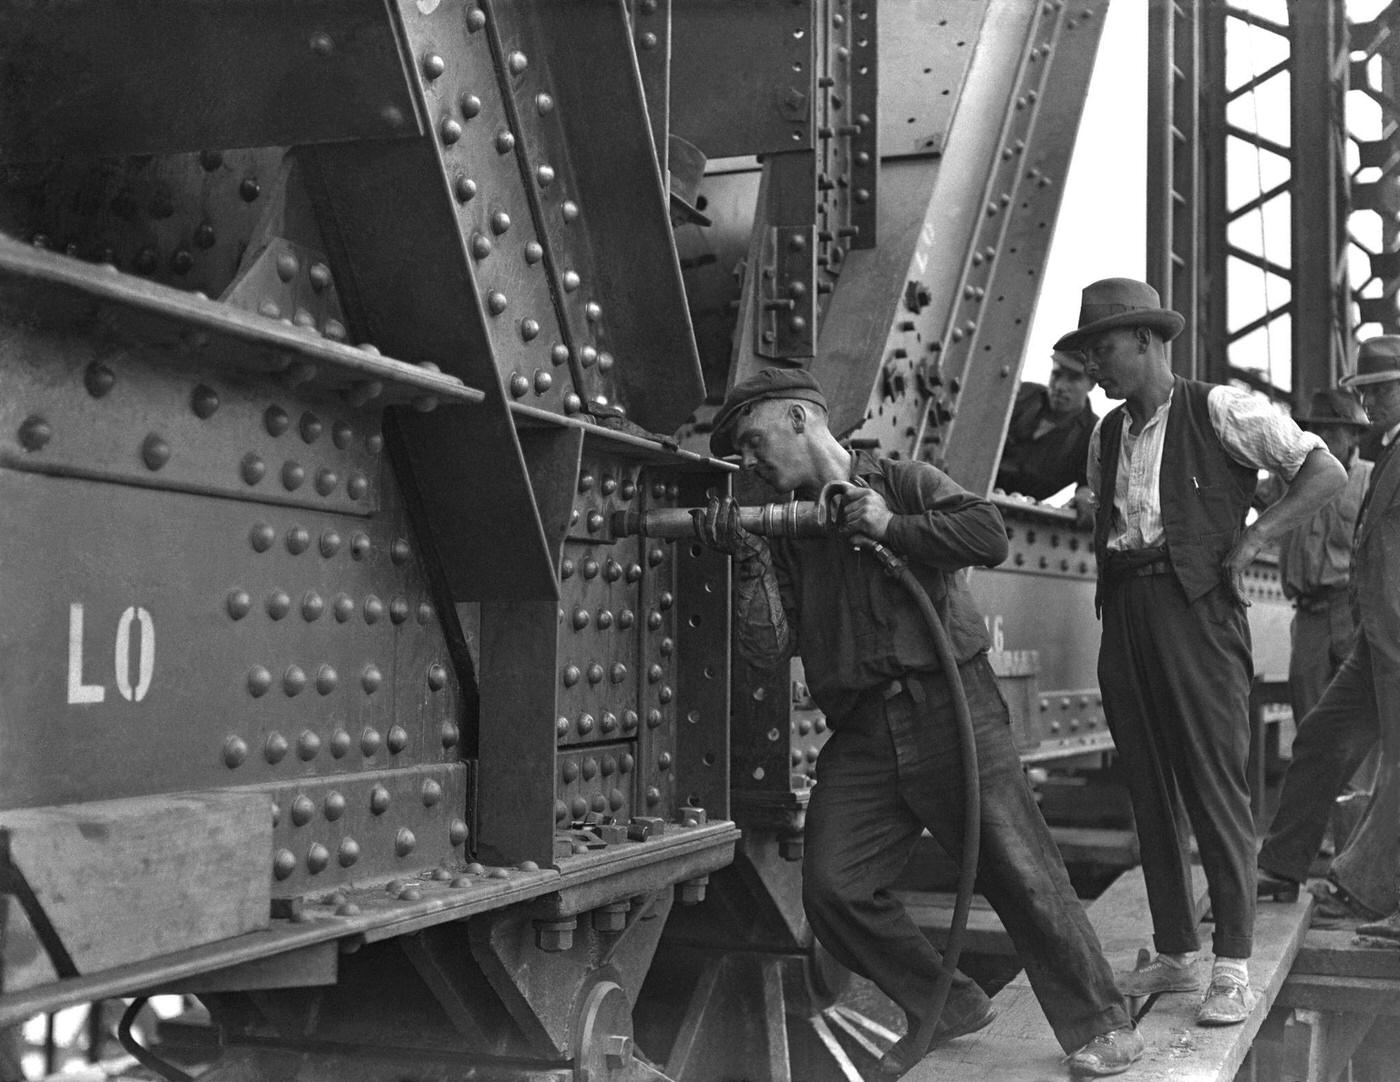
pixel 1205 493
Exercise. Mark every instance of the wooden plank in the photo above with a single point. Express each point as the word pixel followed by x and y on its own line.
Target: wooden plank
pixel 1338 953
pixel 125 880
pixel 1019 1046
pixel 1359 995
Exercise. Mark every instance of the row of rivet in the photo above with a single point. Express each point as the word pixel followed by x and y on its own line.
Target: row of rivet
pixel 580 806
pixel 589 567
pixel 253 468
pixel 318 857
pixel 589 768
pixel 279 603
pixel 607 723
pixel 298 540
pixel 276 746
pixel 295 679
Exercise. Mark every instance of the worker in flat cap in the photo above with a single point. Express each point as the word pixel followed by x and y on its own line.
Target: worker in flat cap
pixel 1360 710
pixel 1174 470
pixel 891 768
pixel 1047 441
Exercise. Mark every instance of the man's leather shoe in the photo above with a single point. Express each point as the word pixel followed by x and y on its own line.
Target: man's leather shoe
pixel 1108 1053
pixel 1336 907
pixel 1389 928
pixel 1277 887
pixel 1228 1002
pixel 901 1055
pixel 1157 976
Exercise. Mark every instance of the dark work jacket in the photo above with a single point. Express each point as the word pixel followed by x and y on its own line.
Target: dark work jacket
pixel 856 627
pixel 1205 493
pixel 1040 467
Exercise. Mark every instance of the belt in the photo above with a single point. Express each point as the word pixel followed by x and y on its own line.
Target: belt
pixel 1321 600
pixel 892 689
pixel 1160 566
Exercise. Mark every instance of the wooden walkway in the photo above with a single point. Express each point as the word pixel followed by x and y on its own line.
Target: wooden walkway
pixel 1019 1047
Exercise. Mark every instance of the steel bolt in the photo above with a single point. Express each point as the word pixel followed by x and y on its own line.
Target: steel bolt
pixel 555 935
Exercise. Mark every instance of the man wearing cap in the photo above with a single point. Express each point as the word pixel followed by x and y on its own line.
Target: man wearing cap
pixel 1174 471
pixel 1047 442
pixel 1361 707
pixel 892 766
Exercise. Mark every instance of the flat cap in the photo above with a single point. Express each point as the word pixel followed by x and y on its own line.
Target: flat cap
pixel 768 383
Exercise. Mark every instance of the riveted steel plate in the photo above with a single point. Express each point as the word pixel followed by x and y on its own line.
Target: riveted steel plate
pixel 656 660
pixel 180 219
pixel 760 53
pixel 145 76
pixel 925 48
pixel 163 640
pixel 598 780
pixel 372 826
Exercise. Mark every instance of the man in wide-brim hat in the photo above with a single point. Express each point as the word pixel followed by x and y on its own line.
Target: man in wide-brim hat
pixel 1360 709
pixel 1174 472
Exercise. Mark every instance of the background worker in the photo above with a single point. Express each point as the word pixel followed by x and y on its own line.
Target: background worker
pixel 892 767
pixel 1047 442
pixel 1174 471
pixel 1361 707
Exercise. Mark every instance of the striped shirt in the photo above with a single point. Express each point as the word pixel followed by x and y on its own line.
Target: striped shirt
pixel 1253 432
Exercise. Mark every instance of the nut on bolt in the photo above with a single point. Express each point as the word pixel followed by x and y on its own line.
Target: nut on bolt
pixel 612 917
pixel 792 847
pixel 555 935
pixel 692 891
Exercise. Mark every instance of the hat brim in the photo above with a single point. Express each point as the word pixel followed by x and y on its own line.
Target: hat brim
pixel 688 211
pixel 1164 321
pixel 1359 380
pixel 722 436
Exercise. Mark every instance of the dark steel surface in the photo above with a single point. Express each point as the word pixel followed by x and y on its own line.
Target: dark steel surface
pixel 153 76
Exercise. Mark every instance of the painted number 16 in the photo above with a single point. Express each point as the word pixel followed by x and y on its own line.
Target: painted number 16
pixel 132 690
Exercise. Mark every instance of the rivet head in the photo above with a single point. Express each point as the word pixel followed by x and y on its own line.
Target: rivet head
pixel 543 381
pixel 293 475
pixel 533 254
pixel 500 222
pixel 340 743
pixel 379 800
pixel 449 130
pixel 519 385
pixel 284 864
pixel 370 742
pixel 404 842
pixel 668 647
pixel 588 356
pixel 326 679
pixel 457 832
pixel 566 568
pixel 653 796
pixel 240 603
pixel 558 354
pixel 570 281
pixel 544 175
pixel 476 19
pixel 618 673
pixel 356 485
pixel 249 189
pixel 308 745
pixel 571 675
pixel 252 469
pixel 654 674
pixel 655 556
pixel 259 681
pixel 581 619
pixel 312 605
pixel 666 600
pixel 298 540
pixel 449 734
pixel 326 480
pixel 595 673
pixel 664 760
pixel 155 452
pixel 653 718
pixel 371 678
pixel 572 403
pixel 505 141
pixel 360 546
pixel 634 573
pixel 278 604
pixel 590 768
pixel 654 620
pixel 544 104
pixel 275 748
pixel 294 680
pixel 431 793
pixel 605 361
pixel 437 677
pixel 397 739
pixel 629 722
pixel 348 853
pixel 317 857
pixel 593 311
pixel 235 751
pixel 609 722
pixel 590 568
pixel 330 543
pixel 433 66
pixel 398 610
pixel 374 610
pixel 529 329
pixel 287 265
pixel 569 209
pixel 480 246
pixel 569 771
pixel 517 62
pixel 496 302
pixel 344 608
pixel 464 188
pixel 470 105
pixel 612 570
pixel 605 620
pixel 303 810
pixel 425 612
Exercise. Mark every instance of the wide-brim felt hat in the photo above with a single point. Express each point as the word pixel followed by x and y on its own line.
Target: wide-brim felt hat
pixel 1334 408
pixel 1377 361
pixel 1072 359
pixel 1120 302
pixel 796 383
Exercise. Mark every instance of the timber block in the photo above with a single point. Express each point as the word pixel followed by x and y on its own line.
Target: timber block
pixel 125 880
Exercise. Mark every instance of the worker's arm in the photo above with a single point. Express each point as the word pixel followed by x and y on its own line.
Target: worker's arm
pixel 763 634
pixel 1317 483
